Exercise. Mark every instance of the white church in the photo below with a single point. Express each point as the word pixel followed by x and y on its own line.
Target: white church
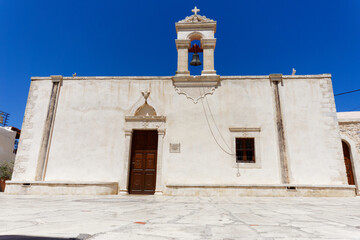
pixel 271 135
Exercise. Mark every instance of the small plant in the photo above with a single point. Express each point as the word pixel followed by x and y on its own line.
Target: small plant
pixel 6 169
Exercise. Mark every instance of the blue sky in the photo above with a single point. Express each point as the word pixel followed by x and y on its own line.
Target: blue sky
pixel 136 38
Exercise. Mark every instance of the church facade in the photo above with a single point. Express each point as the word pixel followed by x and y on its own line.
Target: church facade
pixel 273 135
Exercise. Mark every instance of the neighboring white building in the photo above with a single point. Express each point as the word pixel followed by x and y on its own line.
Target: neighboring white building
pixel 273 135
pixel 7 140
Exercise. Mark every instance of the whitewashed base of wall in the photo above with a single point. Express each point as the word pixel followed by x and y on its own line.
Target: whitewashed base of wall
pixel 111 188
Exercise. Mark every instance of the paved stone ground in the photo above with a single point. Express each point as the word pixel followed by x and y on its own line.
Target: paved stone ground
pixel 164 217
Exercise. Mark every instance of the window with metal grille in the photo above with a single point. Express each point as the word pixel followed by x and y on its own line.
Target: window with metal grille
pixel 245 150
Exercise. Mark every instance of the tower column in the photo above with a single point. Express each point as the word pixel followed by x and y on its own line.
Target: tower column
pixel 208 46
pixel 182 46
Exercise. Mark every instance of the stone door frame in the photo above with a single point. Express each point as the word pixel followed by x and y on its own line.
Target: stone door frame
pixel 143 123
pixel 353 157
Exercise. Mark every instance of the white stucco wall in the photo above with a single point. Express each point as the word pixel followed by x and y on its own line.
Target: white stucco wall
pixel 88 142
pixel 7 140
pixel 312 132
pixel 88 138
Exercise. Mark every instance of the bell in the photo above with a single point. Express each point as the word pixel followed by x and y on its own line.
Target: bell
pixel 195 60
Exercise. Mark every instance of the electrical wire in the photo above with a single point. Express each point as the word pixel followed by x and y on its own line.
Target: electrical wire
pixel 347 92
pixel 212 133
pixel 212 116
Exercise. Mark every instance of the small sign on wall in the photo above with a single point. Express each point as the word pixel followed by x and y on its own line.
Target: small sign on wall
pixel 174 147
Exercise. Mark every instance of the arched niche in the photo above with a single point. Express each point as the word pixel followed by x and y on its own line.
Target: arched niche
pixel 348 163
pixel 139 107
pixel 354 157
pixel 145 110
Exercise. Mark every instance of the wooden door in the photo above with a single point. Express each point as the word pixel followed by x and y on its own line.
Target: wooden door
pixel 349 172
pixel 143 162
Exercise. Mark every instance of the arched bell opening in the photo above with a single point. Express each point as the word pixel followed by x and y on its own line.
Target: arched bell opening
pixel 348 162
pixel 195 57
pixel 195 36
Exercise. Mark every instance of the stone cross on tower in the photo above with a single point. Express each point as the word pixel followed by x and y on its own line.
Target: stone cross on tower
pixel 195 10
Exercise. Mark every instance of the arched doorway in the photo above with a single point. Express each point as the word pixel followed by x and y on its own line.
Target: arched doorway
pixel 348 165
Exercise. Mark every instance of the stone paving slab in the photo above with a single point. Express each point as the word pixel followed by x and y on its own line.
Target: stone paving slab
pixel 169 217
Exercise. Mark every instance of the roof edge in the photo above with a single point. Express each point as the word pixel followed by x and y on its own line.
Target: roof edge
pixel 326 75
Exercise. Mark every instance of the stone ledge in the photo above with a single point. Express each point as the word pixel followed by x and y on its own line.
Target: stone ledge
pixel 196 81
pixel 258 186
pixel 145 118
pixel 196 26
pixel 60 182
pixel 236 129
pixel 259 190
pixel 348 121
pixel 61 188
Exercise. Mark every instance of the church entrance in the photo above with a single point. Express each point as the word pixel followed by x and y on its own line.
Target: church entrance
pixel 348 165
pixel 143 162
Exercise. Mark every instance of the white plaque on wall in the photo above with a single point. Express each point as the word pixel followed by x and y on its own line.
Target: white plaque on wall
pixel 174 147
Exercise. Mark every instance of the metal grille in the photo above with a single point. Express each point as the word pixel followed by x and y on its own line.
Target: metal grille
pixel 4 118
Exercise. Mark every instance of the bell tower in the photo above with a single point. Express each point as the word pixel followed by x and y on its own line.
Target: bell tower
pixel 196 27
pixel 201 28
